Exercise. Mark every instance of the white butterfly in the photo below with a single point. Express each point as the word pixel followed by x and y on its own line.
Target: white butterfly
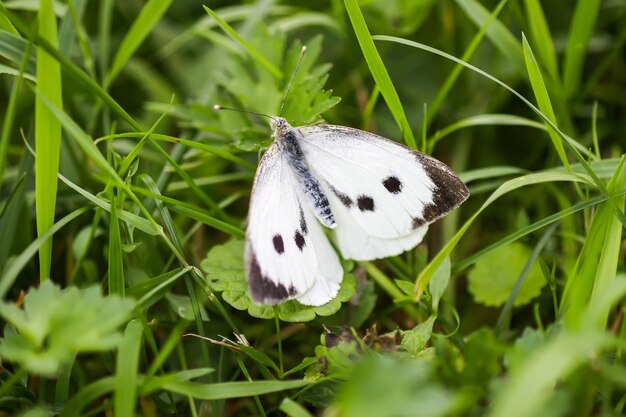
pixel 376 195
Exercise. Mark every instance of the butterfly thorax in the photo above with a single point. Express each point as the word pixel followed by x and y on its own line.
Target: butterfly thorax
pixel 287 138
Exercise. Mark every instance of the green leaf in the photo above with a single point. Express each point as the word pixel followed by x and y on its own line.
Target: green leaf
pixel 54 325
pixel 378 70
pixel 438 285
pixel 494 276
pixel 225 273
pixel 414 341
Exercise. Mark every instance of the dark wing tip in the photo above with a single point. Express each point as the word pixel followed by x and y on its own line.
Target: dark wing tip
pixel 264 291
pixel 450 192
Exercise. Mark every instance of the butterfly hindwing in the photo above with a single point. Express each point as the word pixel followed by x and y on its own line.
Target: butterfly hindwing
pixel 382 194
pixel 287 253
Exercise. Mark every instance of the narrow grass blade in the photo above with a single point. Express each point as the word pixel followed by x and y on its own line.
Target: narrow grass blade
pixel 131 218
pixel 140 29
pixel 87 395
pixel 484 120
pixel 541 37
pixel 116 262
pixel 596 266
pixel 247 46
pixel 190 143
pixel 13 269
pixel 543 99
pixel 498 33
pixel 126 371
pixel 47 133
pixel 581 28
pixel 5 22
pixel 14 48
pixel 227 389
pixel 378 70
pixel 456 72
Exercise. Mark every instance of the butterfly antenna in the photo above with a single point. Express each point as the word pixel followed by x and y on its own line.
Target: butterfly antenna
pixel 293 76
pixel 220 107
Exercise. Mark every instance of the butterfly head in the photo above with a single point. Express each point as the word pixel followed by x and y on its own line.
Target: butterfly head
pixel 279 127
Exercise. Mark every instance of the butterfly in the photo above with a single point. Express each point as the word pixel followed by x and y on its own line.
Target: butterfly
pixel 377 196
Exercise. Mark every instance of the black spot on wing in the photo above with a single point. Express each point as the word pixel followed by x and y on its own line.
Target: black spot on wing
pixel 299 239
pixel 393 184
pixel 279 245
pixel 303 226
pixel 450 191
pixel 365 203
pixel 262 289
pixel 418 222
pixel 345 200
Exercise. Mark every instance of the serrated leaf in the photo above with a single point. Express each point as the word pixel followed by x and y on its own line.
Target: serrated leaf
pixel 225 273
pixel 54 325
pixel 494 276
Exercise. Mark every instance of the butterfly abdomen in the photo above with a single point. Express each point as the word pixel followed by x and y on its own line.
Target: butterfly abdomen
pixel 288 142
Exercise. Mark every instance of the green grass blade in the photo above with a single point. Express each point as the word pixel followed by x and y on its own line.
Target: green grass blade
pixel 541 37
pixel 87 395
pixel 17 264
pixel 227 389
pixel 543 99
pixel 378 70
pixel 456 72
pixel 247 46
pixel 131 218
pixel 581 28
pixel 497 32
pixel 116 262
pixel 47 133
pixel 126 371
pixel 140 29
pixel 190 143
pixel 5 22
pixel 596 266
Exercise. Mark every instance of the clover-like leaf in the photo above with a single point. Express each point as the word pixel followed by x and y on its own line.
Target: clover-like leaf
pixel 494 276
pixel 225 273
pixel 54 325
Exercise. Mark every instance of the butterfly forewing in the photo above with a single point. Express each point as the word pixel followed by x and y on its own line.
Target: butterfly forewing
pixel 287 253
pixel 382 194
